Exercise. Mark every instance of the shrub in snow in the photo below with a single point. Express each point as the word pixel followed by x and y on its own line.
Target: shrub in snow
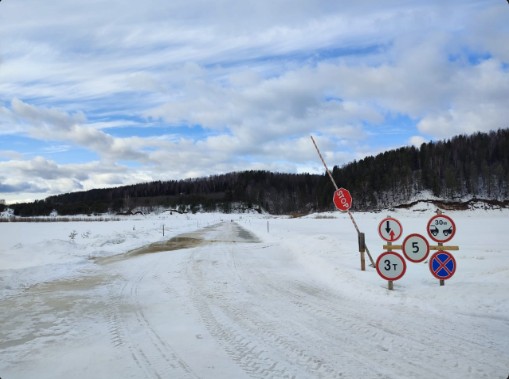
pixel 7 213
pixel 73 235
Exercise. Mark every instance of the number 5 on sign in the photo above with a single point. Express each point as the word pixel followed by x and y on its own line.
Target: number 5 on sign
pixel 415 248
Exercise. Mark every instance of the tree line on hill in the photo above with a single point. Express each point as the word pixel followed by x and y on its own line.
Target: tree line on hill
pixel 459 169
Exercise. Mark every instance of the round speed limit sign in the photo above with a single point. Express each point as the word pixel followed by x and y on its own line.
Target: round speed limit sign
pixel 415 248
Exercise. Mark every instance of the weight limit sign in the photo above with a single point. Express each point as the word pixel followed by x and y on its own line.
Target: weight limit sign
pixel 390 266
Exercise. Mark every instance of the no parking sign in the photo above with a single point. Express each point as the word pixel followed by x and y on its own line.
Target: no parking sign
pixel 442 265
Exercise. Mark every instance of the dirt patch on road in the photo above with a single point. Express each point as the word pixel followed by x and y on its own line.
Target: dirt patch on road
pixel 224 232
pixel 183 241
pixel 176 243
pixel 46 312
pixel 245 235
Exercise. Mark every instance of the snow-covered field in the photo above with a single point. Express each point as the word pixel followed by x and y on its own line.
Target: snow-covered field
pixel 248 296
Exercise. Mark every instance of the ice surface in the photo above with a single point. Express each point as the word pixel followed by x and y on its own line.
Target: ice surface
pixel 248 296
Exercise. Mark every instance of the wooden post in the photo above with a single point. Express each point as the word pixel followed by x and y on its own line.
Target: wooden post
pixel 362 250
pixel 390 284
pixel 440 244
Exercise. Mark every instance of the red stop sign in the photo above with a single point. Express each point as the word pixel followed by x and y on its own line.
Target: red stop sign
pixel 342 199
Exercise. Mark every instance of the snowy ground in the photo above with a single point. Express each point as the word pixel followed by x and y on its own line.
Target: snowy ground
pixel 248 296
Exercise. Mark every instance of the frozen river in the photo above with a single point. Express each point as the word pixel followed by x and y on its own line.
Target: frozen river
pixel 248 297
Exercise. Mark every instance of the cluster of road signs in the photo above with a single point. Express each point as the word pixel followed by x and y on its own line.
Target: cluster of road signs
pixel 391 266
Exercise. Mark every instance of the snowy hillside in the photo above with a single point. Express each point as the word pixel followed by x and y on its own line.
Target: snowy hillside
pixel 248 296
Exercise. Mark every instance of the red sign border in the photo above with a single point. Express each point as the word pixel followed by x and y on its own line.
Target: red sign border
pixel 431 263
pixel 351 198
pixel 397 222
pixel 448 218
pixel 408 256
pixel 391 253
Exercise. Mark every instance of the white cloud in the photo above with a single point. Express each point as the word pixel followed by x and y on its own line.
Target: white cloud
pixel 257 77
pixel 55 125
pixel 479 103
pixel 417 141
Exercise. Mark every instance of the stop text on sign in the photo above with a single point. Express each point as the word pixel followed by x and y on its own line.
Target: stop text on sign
pixel 342 199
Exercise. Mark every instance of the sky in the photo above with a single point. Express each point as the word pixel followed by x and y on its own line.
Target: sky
pixel 97 93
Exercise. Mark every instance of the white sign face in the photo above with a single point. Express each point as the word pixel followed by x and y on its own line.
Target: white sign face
pixel 415 248
pixel 390 229
pixel 390 266
pixel 441 228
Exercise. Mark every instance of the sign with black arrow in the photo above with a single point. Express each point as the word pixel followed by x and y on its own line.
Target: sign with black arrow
pixel 390 229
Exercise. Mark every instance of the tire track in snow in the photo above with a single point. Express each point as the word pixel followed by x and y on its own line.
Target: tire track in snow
pixel 284 331
pixel 355 322
pixel 257 340
pixel 251 356
pixel 130 329
pixel 315 316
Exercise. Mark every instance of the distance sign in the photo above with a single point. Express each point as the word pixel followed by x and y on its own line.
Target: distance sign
pixel 415 248
pixel 441 228
pixel 390 229
pixel 390 266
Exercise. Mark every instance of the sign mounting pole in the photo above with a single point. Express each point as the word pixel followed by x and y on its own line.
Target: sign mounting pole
pixel 348 211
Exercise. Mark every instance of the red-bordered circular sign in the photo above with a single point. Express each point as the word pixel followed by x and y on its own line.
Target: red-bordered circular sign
pixel 391 266
pixel 390 229
pixel 442 265
pixel 415 248
pixel 441 228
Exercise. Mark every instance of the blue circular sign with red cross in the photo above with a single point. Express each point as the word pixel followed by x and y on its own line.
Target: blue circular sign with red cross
pixel 442 265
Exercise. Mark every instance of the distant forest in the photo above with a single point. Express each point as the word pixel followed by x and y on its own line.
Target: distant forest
pixel 457 170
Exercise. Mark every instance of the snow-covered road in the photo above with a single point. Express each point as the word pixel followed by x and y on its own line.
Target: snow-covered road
pixel 231 300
